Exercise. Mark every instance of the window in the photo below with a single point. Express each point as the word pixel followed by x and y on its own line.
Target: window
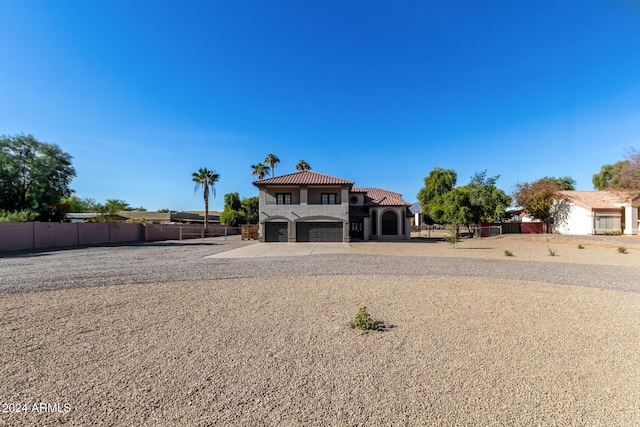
pixel 608 223
pixel 328 198
pixel 283 198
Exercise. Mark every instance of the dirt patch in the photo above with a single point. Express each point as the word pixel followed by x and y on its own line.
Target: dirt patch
pixel 523 247
pixel 280 351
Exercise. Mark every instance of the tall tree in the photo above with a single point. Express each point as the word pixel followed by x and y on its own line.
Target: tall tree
pixel 233 214
pixel 452 207
pixel 609 176
pixel 436 184
pixel 630 174
pixel 74 203
pixel 206 179
pixel 487 202
pixel 251 207
pixel 540 200
pixel 623 175
pixel 34 176
pixel 303 166
pixel 259 170
pixel 272 160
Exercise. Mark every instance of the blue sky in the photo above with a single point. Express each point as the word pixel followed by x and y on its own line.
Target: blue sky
pixel 143 93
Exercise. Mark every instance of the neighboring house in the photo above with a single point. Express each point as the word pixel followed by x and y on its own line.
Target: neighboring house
pixel 599 212
pixel 308 206
pixel 146 216
pixel 150 217
pixel 80 216
pixel 416 212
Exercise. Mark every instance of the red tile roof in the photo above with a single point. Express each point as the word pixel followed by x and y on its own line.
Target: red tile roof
pixel 303 178
pixel 380 197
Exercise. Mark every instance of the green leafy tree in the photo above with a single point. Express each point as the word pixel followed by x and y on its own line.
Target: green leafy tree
pixel 206 179
pixel 116 205
pixel 232 202
pixel 17 216
pixel 453 207
pixel 564 182
pixel 622 175
pixel 303 166
pixel 436 184
pixel 487 202
pixel 609 176
pixel 164 210
pixel 259 170
pixel 34 176
pixel 250 205
pixel 541 201
pixel 233 218
pixel 73 203
pixel 272 160
pixel 233 214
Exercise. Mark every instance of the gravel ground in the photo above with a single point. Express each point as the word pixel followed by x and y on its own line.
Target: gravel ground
pixel 153 334
pixel 595 266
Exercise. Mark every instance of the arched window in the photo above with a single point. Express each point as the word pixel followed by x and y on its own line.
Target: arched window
pixel 389 223
pixel 374 223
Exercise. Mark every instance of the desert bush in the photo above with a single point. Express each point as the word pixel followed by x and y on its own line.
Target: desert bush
pixel 580 246
pixel 508 253
pixel 453 235
pixel 551 251
pixel 364 321
pixel 622 250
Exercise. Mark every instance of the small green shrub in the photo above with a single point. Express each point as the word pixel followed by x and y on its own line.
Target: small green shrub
pixel 364 321
pixel 453 235
pixel 612 233
pixel 551 251
pixel 17 216
pixel 580 246
pixel 508 253
pixel 622 250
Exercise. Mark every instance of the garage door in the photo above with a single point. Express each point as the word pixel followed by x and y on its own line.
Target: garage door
pixel 275 232
pixel 319 232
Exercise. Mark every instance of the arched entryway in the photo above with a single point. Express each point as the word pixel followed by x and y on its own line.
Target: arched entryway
pixel 389 223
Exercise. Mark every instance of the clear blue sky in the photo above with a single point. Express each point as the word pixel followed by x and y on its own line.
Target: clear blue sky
pixel 143 93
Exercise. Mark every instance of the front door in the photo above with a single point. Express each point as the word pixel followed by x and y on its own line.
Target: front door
pixel 356 229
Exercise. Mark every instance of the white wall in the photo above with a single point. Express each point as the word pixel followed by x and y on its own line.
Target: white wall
pixel 579 221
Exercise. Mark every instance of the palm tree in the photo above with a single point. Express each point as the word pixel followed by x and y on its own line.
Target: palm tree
pixel 260 170
pixel 206 179
pixel 271 160
pixel 303 166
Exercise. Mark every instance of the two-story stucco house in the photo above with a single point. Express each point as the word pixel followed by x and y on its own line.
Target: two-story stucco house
pixel 308 206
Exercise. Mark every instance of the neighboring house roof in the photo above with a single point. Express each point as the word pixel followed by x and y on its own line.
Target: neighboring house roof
pixel 380 197
pixel 195 216
pixel 415 208
pixel 148 216
pixel 303 178
pixel 81 215
pixel 597 199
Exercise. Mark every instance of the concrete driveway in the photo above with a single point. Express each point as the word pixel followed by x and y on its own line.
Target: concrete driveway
pixel 283 249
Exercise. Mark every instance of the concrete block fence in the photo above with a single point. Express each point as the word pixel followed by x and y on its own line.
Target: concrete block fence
pixel 16 236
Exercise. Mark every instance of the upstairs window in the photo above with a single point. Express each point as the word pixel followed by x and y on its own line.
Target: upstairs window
pixel 283 198
pixel 328 198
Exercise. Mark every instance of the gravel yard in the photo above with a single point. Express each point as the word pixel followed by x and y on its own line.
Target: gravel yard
pixel 155 334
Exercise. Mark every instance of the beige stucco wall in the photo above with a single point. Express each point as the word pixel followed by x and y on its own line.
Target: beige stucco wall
pixel 302 209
